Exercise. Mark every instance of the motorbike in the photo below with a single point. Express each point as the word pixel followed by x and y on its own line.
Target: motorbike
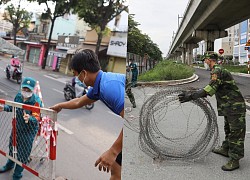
pixel 71 92
pixel 14 72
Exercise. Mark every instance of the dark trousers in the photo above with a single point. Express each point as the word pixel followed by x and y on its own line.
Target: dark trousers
pixel 235 130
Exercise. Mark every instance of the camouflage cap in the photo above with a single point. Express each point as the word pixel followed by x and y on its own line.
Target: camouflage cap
pixel 211 55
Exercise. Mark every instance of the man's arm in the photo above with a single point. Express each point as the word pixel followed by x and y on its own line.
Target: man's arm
pixel 117 146
pixel 107 159
pixel 73 104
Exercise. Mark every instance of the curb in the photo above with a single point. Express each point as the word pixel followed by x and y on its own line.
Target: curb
pixel 193 78
pixel 233 73
pixel 241 74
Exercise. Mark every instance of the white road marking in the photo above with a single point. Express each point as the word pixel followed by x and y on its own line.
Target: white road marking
pixel 58 91
pixel 2 91
pixel 64 129
pixel 49 77
pixel 61 80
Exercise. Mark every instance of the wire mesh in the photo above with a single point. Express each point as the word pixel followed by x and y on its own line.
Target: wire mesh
pixel 28 142
pixel 169 130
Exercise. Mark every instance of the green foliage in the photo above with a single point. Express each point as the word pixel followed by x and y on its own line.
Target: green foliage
pixel 139 43
pixel 97 13
pixel 4 1
pixel 62 7
pixel 20 18
pixel 167 70
pixel 237 69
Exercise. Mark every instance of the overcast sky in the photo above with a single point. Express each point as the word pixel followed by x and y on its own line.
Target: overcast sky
pixel 158 19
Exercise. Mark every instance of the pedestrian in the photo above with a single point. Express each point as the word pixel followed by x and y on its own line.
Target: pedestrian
pixel 107 87
pixel 130 94
pixel 134 70
pixel 230 104
pixel 26 126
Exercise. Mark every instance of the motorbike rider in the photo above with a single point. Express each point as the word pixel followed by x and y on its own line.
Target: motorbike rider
pixel 79 87
pixel 14 62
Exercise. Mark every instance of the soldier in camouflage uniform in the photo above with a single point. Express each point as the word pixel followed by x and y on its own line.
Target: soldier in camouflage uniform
pixel 130 94
pixel 230 104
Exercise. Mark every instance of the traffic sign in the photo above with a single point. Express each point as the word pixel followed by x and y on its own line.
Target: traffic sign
pixel 221 51
pixel 248 43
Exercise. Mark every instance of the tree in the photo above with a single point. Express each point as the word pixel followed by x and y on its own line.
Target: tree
pixel 139 43
pixel 20 18
pixel 97 13
pixel 62 7
pixel 4 2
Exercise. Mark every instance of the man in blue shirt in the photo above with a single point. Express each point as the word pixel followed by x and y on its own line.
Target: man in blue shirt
pixel 107 87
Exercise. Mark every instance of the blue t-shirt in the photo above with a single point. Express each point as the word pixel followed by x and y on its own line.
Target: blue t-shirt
pixel 110 89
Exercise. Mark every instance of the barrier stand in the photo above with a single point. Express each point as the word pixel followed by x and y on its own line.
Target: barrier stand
pixel 16 134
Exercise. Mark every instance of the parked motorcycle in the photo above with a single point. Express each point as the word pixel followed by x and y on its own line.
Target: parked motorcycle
pixel 14 71
pixel 71 92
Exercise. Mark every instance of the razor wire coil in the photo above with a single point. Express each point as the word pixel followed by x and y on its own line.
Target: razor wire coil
pixel 195 143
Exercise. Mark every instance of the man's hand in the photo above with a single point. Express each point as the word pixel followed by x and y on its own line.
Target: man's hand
pixel 185 97
pixel 26 116
pixel 1 107
pixel 106 160
pixel 56 108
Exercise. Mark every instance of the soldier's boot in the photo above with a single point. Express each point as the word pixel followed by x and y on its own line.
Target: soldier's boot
pixel 221 151
pixel 134 105
pixel 8 166
pixel 231 165
pixel 18 172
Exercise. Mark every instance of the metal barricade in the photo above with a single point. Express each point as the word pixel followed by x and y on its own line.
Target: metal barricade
pixel 30 144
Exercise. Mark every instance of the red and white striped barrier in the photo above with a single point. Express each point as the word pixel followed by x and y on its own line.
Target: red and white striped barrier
pixel 43 168
pixel 37 91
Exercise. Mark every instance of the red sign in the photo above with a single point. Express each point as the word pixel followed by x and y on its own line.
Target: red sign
pixel 221 51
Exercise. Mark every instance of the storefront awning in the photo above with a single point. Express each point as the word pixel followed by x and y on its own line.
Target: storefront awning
pixel 9 48
pixel 86 46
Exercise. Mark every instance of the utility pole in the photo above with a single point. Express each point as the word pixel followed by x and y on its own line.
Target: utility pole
pixel 179 17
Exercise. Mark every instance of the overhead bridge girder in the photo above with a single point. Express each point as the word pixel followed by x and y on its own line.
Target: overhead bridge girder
pixel 209 36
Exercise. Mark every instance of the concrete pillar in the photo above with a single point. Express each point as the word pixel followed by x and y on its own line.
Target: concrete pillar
pixel 190 48
pixel 178 54
pixel 183 60
pixel 209 37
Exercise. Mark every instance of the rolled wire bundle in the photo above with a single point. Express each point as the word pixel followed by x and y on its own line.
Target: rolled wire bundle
pixel 170 130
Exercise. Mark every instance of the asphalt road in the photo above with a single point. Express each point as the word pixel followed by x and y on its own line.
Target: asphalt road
pixel 139 165
pixel 85 135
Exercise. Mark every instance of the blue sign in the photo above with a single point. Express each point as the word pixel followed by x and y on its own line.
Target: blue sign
pixel 243 32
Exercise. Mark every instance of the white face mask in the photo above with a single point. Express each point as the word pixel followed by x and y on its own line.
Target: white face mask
pixel 83 81
pixel 26 94
pixel 207 66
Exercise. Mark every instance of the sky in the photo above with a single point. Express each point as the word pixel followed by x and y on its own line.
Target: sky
pixel 158 19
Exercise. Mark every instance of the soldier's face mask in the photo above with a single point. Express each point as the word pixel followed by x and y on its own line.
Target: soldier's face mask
pixel 207 64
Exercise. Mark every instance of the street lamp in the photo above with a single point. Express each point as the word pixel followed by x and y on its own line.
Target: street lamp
pixel 179 17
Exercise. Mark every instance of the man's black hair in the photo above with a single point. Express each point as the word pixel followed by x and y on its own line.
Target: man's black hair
pixel 85 59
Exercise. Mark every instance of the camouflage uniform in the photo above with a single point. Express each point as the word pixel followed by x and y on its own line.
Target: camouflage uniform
pixel 231 105
pixel 134 70
pixel 130 94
